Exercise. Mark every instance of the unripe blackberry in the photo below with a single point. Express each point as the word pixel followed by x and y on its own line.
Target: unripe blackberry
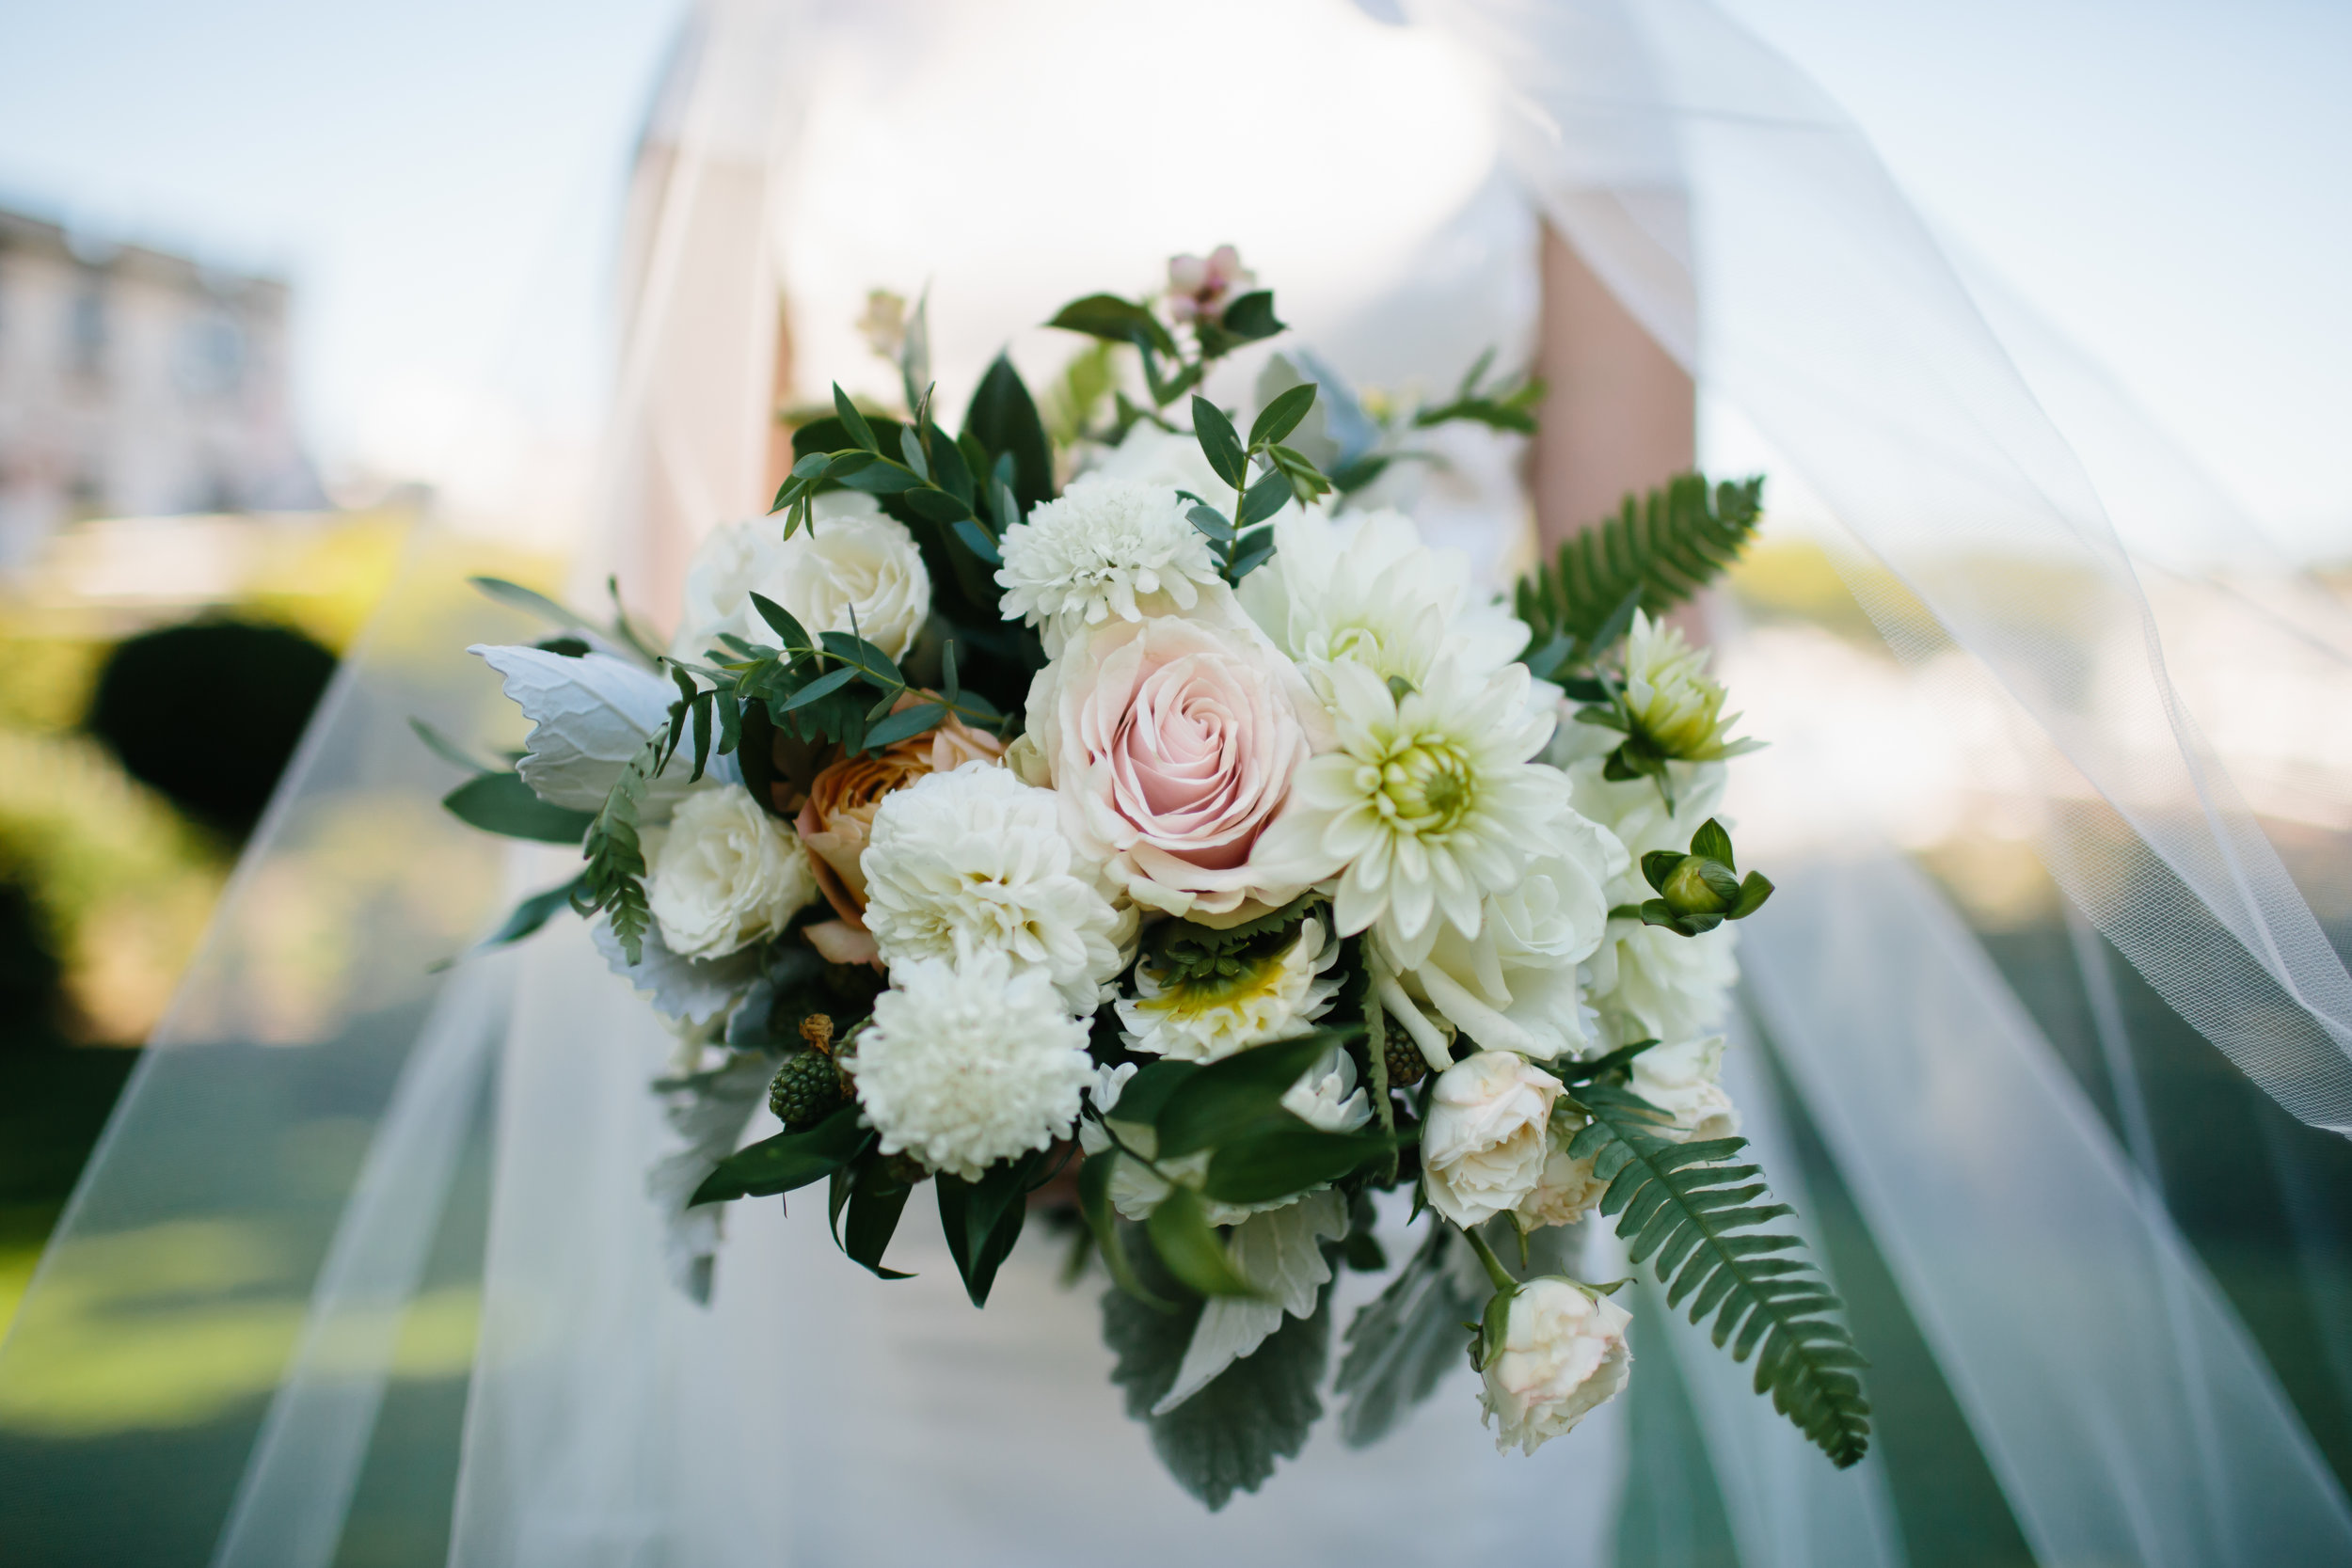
pixel 1406 1065
pixel 806 1091
pixel 906 1169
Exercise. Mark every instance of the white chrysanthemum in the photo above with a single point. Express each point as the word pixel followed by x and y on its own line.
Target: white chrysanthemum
pixel 1363 588
pixel 1108 546
pixel 852 567
pixel 1427 804
pixel 973 862
pixel 1517 985
pixel 1275 996
pixel 1670 695
pixel 963 1067
pixel 724 875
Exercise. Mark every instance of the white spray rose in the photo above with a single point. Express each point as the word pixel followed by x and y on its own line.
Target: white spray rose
pixel 1567 1188
pixel 1564 1355
pixel 1684 1080
pixel 726 875
pixel 850 564
pixel 1483 1149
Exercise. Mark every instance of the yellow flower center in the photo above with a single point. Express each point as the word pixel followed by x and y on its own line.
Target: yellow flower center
pixel 1424 786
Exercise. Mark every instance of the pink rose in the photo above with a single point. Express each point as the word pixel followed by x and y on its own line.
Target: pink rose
pixel 1172 743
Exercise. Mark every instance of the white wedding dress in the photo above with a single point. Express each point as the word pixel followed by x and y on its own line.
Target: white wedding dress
pixel 300 1160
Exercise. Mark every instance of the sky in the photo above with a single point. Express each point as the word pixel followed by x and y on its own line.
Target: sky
pixel 2170 184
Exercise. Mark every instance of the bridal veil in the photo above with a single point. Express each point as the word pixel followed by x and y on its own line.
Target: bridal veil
pixel 254 1340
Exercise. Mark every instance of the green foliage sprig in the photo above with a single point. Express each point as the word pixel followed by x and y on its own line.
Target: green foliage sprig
pixel 1653 555
pixel 1511 408
pixel 1696 1215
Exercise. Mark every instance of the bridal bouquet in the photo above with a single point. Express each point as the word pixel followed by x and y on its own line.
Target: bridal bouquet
pixel 1144 831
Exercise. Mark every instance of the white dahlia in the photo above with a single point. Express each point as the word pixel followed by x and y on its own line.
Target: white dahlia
pixel 1517 985
pixel 972 861
pixel 962 1068
pixel 1365 589
pixel 1108 546
pixel 1270 996
pixel 1427 804
pixel 1670 695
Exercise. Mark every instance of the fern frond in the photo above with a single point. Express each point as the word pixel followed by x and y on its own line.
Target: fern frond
pixel 1668 545
pixel 614 883
pixel 1682 1204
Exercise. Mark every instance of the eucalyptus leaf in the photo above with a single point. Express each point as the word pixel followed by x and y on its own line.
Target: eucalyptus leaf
pixel 503 804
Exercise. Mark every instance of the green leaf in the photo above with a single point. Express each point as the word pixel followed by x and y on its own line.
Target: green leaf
pixel 449 750
pixel 1004 417
pixel 531 913
pixel 1658 865
pixel 903 724
pixel 1094 1201
pixel 1227 1096
pixel 1281 417
pixel 1210 522
pixel 1149 1089
pixel 782 622
pixel 1655 553
pixel 1712 843
pixel 1229 1436
pixel 1114 320
pixel 911 453
pixel 1269 494
pixel 1287 1156
pixel 823 685
pixel 1256 549
pixel 1219 442
pixel 788 1161
pixel 1402 1344
pixel 975 538
pixel 874 1200
pixel 936 506
pixel 982 1219
pixel 853 421
pixel 1192 1248
pixel 1753 891
pixel 1250 317
pixel 503 804
pixel 1684 1205
pixel 533 603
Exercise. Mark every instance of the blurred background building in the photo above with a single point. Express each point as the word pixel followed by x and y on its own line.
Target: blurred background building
pixel 137 382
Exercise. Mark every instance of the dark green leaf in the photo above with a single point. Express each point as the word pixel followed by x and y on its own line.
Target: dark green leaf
pixel 1193 1249
pixel 788 1161
pixel 1659 864
pixel 1094 1201
pixel 936 506
pixel 503 804
pixel 975 538
pixel 903 724
pixel 1753 891
pixel 1713 843
pixel 853 421
pixel 1255 551
pixel 1228 1438
pixel 823 685
pixel 1250 317
pixel 1281 417
pixel 781 619
pixel 876 1199
pixel 1114 320
pixel 1149 1089
pixel 1225 1096
pixel 1286 1157
pixel 1005 420
pixel 1219 442
pixel 1269 494
pixel 982 1219
pixel 531 913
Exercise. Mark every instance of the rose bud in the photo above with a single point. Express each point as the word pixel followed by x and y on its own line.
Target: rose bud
pixel 1562 1355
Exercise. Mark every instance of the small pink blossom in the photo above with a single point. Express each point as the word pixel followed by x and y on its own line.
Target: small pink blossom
pixel 1199 288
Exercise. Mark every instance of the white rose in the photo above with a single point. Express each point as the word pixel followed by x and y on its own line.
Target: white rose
pixel 1564 1355
pixel 1567 1188
pixel 726 875
pixel 1682 1080
pixel 850 564
pixel 1483 1149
